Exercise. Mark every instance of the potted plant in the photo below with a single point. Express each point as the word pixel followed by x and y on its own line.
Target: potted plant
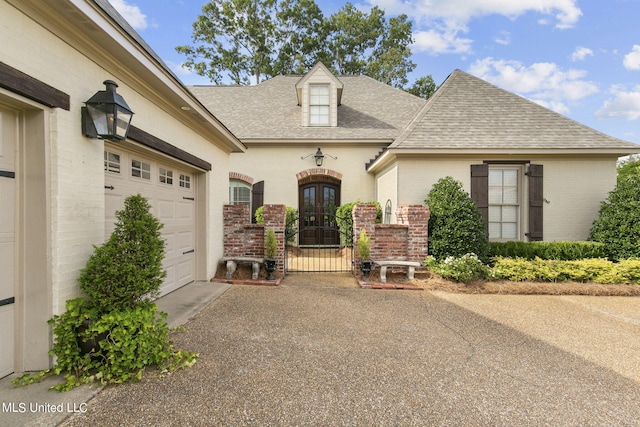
pixel 270 253
pixel 364 252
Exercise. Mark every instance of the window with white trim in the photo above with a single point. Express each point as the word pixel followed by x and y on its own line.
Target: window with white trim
pixel 140 169
pixel 319 105
pixel 111 162
pixel 165 176
pixel 504 203
pixel 185 181
pixel 239 193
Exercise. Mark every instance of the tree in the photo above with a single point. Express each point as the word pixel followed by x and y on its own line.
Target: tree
pixel 366 43
pixel 424 87
pixel 618 222
pixel 250 40
pixel 629 167
pixel 456 227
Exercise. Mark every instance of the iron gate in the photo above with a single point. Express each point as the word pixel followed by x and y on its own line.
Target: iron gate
pixel 315 243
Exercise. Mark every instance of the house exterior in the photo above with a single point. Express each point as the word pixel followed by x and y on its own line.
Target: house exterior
pixel 534 174
pixel 59 189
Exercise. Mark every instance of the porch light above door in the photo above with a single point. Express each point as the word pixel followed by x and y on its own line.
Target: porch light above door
pixel 319 157
pixel 106 115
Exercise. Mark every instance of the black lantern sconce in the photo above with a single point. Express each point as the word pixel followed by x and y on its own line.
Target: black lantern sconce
pixel 106 115
pixel 319 157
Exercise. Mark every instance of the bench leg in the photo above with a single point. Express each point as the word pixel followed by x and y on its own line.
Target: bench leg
pixel 256 269
pixel 383 274
pixel 231 268
pixel 411 272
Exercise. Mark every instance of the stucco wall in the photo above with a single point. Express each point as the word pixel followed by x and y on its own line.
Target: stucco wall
pixel 278 166
pixel 574 187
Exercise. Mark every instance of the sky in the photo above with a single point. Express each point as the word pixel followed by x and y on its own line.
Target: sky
pixel 580 58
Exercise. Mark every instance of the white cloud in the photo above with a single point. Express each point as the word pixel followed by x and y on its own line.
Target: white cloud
pixel 632 59
pixel 543 82
pixel 625 104
pixel 447 19
pixel 504 38
pixel 581 53
pixel 131 13
pixel 434 42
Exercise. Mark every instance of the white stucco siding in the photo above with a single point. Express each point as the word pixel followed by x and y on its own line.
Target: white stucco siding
pixel 387 189
pixel 574 188
pixel 278 166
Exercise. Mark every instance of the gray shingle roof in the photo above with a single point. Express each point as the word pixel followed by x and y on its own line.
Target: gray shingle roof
pixel 370 110
pixel 469 113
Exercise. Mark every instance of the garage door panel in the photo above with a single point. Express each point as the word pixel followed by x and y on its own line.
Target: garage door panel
pixel 159 184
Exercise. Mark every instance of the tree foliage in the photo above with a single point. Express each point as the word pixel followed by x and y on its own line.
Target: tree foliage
pixel 618 222
pixel 456 227
pixel 248 41
pixel 127 268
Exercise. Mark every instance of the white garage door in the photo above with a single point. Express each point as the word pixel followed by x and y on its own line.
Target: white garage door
pixel 169 187
pixel 8 137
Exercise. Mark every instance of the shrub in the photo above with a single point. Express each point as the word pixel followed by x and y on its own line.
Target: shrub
pixel 364 250
pixel 456 226
pixel 565 251
pixel 344 219
pixel 127 268
pixel 270 244
pixel 618 222
pixel 463 269
pixel 596 270
pixel 135 338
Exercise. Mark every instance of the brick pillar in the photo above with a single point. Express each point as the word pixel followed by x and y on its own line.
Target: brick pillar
pixel 364 216
pixel 275 216
pixel 417 218
pixel 235 217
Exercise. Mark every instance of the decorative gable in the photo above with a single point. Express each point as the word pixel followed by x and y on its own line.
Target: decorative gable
pixel 319 94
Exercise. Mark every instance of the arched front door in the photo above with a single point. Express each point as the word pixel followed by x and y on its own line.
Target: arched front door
pixel 318 202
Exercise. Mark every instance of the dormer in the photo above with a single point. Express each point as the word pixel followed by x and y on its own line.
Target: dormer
pixel 319 93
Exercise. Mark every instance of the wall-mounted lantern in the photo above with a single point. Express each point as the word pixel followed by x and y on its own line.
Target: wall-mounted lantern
pixel 106 115
pixel 319 157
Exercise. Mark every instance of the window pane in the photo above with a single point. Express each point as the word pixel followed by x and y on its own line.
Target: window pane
pixel 495 230
pixel 509 213
pixel 509 231
pixel 510 195
pixel 495 178
pixel 495 213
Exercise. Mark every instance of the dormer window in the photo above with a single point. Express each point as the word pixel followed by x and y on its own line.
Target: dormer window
pixel 319 94
pixel 319 105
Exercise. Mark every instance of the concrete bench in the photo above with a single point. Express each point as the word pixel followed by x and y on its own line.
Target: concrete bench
pixel 233 261
pixel 410 266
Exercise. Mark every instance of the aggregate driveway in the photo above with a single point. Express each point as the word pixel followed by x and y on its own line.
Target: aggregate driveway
pixel 343 356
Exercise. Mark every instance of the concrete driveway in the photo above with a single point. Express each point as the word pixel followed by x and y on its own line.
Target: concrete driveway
pixel 324 355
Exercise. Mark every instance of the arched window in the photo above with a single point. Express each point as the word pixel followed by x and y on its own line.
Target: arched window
pixel 239 192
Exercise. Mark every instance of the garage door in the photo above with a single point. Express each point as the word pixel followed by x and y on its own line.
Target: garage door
pixel 8 137
pixel 169 187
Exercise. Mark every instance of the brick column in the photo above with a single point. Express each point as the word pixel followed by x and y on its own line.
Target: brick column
pixel 417 218
pixel 364 216
pixel 235 217
pixel 275 216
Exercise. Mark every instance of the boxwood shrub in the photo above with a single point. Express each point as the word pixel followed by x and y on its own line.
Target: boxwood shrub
pixel 561 251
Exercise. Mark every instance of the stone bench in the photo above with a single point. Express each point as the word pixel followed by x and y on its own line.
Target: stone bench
pixel 233 261
pixel 410 266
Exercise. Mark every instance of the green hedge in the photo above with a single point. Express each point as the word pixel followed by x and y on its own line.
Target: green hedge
pixel 561 251
pixel 585 270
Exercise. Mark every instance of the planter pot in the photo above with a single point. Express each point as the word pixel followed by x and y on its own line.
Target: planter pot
pixel 365 267
pixel 92 344
pixel 270 266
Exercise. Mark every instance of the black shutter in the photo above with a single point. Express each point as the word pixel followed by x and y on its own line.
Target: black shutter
pixel 257 198
pixel 480 191
pixel 536 202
